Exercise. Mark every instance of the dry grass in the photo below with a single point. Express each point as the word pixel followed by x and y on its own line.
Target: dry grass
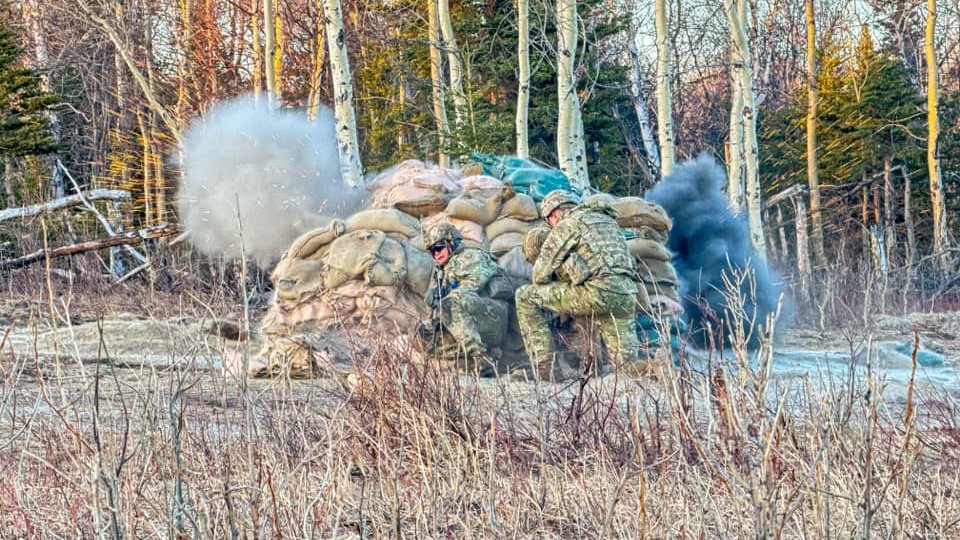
pixel 92 449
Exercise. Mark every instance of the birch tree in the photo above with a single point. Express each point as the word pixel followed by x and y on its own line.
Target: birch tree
pixel 736 16
pixel 638 97
pixel 256 49
pixel 523 82
pixel 735 188
pixel 571 157
pixel 813 180
pixel 350 165
pixel 273 52
pixel 436 80
pixel 938 207
pixel 454 62
pixel 664 96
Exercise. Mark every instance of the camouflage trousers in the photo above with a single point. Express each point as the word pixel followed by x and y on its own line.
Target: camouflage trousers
pixel 469 326
pixel 613 312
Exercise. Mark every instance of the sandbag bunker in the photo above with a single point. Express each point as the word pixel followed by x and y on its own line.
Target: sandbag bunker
pixel 369 273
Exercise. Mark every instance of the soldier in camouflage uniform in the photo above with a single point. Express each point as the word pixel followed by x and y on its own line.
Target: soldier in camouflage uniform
pixel 467 295
pixel 587 248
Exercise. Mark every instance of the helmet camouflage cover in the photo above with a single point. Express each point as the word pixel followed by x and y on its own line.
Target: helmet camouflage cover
pixel 441 232
pixel 555 199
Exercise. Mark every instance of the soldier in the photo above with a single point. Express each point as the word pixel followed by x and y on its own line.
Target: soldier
pixel 587 248
pixel 467 296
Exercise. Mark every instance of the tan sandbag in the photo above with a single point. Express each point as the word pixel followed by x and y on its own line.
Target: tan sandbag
pixel 507 225
pixel 389 268
pixel 296 279
pixel 533 241
pixel 516 266
pixel 308 243
pixel 635 212
pixel 437 179
pixel 642 248
pixel 479 181
pixel 477 205
pixel 384 219
pixel 649 234
pixel 419 269
pixel 599 199
pixel 505 242
pixel 471 169
pixel 521 206
pixel 424 206
pixel 471 231
pixel 350 256
pixel 657 271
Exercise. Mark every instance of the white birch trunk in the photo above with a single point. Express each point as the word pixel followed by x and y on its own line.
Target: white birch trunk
pixel 350 165
pixel 647 136
pixel 735 191
pixel 454 63
pixel 436 79
pixel 523 90
pixel 940 240
pixel 752 179
pixel 664 95
pixel 571 147
pixel 270 45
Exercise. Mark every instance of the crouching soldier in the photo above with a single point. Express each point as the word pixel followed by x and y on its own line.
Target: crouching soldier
pixel 467 297
pixel 586 247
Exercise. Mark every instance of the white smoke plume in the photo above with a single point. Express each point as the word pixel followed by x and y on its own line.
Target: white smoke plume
pixel 280 170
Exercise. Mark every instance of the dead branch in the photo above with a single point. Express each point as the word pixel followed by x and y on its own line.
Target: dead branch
pixel 130 237
pixel 64 202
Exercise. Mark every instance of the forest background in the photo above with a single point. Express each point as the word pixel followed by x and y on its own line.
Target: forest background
pixel 107 89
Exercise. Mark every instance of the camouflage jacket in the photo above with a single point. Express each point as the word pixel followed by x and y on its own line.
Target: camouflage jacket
pixel 587 245
pixel 471 269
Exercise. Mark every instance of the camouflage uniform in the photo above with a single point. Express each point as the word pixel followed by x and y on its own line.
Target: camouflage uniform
pixel 587 247
pixel 470 320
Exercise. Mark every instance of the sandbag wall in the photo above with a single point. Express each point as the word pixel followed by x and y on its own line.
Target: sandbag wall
pixel 371 270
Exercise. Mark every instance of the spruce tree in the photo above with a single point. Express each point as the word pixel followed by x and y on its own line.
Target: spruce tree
pixel 24 129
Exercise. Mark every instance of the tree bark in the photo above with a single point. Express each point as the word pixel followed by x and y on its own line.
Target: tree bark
pixel 566 89
pixel 803 250
pixel 273 52
pixel 33 11
pixel 523 88
pixel 752 180
pixel 889 203
pixel 735 187
pixel 351 166
pixel 257 50
pixel 454 63
pixel 124 239
pixel 937 200
pixel 436 78
pixel 664 94
pixel 908 218
pixel 640 108
pixel 64 202
pixel 8 186
pixel 813 179
pixel 316 79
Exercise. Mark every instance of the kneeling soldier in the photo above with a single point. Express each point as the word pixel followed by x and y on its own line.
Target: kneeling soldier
pixel 586 247
pixel 467 296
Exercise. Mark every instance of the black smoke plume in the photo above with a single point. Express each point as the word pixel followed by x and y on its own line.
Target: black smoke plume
pixel 711 249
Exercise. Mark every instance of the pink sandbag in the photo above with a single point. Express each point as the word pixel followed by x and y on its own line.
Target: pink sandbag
pixel 398 174
pixel 479 182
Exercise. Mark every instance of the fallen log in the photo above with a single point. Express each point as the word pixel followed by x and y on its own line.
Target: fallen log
pixel 121 239
pixel 64 202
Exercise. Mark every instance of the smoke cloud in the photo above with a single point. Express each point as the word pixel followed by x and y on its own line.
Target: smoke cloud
pixel 279 169
pixel 711 247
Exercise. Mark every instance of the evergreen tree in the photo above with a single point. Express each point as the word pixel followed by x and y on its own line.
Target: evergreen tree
pixel 24 129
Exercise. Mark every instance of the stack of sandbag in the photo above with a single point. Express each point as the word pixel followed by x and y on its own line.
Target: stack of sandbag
pixel 415 188
pixel 647 226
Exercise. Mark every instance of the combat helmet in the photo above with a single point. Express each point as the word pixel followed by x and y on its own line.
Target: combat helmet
pixel 555 199
pixel 444 232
